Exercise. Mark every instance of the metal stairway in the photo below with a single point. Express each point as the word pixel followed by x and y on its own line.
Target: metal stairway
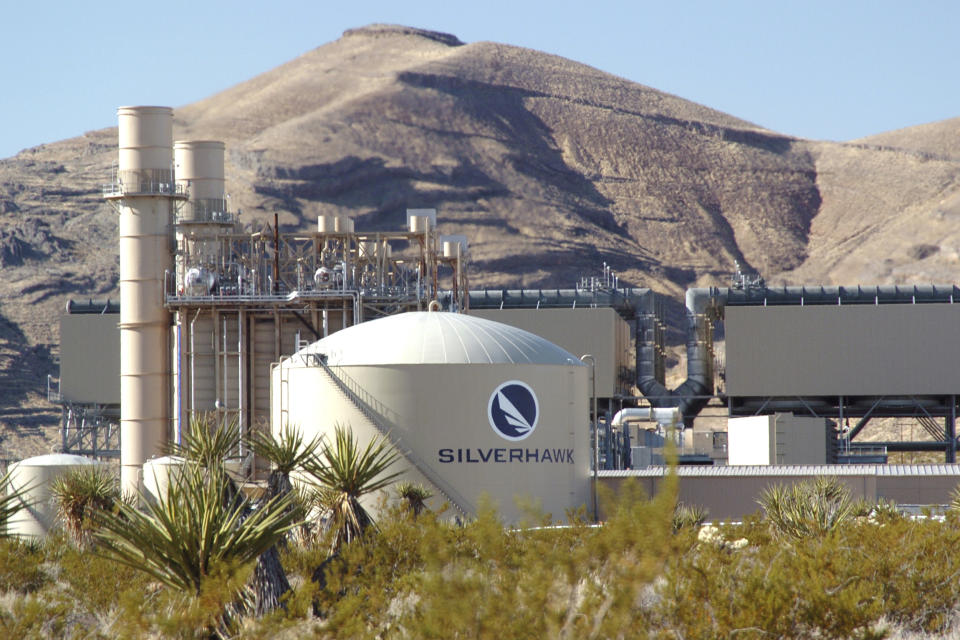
pixel 344 386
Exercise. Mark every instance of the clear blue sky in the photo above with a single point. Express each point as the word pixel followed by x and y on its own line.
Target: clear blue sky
pixel 829 70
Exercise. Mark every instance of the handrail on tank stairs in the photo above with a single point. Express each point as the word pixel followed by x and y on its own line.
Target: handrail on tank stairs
pixel 449 494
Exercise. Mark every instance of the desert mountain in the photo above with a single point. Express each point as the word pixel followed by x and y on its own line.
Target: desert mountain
pixel 550 167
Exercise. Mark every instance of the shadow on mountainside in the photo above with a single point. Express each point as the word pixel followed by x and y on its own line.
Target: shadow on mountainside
pixel 23 372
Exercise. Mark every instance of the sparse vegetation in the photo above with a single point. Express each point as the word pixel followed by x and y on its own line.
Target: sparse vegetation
pixel 647 572
pixel 811 508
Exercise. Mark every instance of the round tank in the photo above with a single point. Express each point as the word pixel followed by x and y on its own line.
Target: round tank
pixel 451 249
pixel 480 407
pixel 343 224
pixel 157 473
pixel 33 478
pixel 419 224
pixel 326 224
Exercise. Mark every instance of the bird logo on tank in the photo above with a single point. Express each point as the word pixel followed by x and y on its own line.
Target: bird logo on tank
pixel 513 410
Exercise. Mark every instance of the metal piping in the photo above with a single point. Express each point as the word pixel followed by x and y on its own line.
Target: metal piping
pixel 664 416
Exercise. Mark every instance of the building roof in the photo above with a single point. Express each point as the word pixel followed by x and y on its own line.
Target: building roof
pixel 421 337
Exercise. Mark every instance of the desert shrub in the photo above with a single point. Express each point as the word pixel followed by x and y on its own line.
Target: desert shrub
pixel 35 616
pixel 21 566
pixel 425 577
pixel 414 496
pixel 850 581
pixel 687 516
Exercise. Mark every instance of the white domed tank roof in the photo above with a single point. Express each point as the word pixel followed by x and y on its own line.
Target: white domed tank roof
pixel 421 337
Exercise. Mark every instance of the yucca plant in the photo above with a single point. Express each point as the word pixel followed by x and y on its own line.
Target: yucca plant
pixel 79 493
pixel 11 502
pixel 345 472
pixel 208 443
pixel 415 496
pixel 809 508
pixel 286 454
pixel 202 527
pixel 688 516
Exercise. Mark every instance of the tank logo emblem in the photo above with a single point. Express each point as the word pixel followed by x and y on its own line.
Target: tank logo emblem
pixel 513 410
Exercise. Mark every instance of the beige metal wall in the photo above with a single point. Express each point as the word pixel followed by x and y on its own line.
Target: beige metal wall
pixel 226 356
pixel 734 497
pixel 598 331
pixel 849 350
pixel 776 439
pixel 90 358
pixel 439 413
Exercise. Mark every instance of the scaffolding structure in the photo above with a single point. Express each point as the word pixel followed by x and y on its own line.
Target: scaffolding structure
pixel 240 301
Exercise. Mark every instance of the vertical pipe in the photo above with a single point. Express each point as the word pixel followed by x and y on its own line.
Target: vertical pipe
pixel 276 250
pixel 952 431
pixel 596 434
pixel 241 378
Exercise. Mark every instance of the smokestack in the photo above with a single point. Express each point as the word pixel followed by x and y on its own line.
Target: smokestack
pixel 145 190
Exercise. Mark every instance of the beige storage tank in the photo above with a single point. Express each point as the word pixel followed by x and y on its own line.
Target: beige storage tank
pixel 33 478
pixel 477 407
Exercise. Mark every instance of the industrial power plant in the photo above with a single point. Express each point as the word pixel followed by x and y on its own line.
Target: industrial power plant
pixel 530 394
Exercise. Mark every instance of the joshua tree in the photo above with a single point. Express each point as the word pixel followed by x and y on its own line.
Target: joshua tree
pixel 208 447
pixel 346 472
pixel 79 493
pixel 201 528
pixel 415 495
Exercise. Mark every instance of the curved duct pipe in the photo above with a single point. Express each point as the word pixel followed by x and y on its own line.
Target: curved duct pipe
pixel 663 416
pixel 704 305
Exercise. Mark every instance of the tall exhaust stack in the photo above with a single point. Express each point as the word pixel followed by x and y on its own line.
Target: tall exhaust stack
pixel 199 167
pixel 145 192
pixel 199 172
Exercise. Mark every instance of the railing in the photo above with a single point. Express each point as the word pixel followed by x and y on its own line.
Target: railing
pixel 346 384
pixel 206 211
pixel 53 397
pixel 134 182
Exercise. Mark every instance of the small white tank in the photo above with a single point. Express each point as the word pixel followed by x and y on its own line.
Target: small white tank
pixel 157 473
pixel 33 477
pixel 326 224
pixel 419 224
pixel 451 249
pixel 343 224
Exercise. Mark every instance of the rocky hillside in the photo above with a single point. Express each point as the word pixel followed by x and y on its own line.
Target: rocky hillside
pixel 550 167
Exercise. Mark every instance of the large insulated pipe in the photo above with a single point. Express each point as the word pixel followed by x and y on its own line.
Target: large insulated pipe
pixel 146 192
